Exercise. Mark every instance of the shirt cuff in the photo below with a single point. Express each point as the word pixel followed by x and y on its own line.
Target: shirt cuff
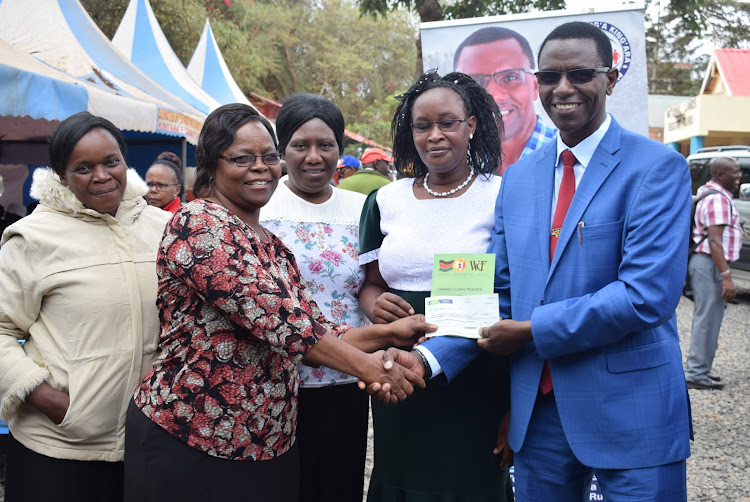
pixel 431 360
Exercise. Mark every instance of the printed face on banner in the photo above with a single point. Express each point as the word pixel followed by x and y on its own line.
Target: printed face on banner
pixel 505 71
pixel 624 28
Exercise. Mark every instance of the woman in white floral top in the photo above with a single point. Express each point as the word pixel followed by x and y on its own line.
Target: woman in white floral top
pixel 320 224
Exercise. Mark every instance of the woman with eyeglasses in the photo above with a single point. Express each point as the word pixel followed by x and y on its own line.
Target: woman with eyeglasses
pixel 446 442
pixel 218 410
pixel 164 180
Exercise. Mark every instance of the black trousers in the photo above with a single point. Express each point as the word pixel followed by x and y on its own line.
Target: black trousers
pixel 31 477
pixel 332 438
pixel 161 468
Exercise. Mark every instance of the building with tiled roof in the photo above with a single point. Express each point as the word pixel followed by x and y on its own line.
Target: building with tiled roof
pixel 719 114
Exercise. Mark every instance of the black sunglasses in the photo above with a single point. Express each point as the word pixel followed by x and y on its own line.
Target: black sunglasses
pixel 577 76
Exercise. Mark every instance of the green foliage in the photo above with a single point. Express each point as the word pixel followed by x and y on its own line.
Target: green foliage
pixel 374 123
pixel 479 8
pixel 459 9
pixel 280 47
pixel 673 40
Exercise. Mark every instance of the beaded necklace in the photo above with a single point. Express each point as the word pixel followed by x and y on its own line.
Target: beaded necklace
pixel 451 191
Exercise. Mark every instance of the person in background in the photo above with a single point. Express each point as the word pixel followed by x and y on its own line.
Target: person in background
pixel 320 224
pixel 215 417
pixel 7 219
pixel 164 180
pixel 18 209
pixel 375 172
pixel 78 278
pixel 717 225
pixel 348 166
pixel 501 60
pixel 438 445
pixel 590 244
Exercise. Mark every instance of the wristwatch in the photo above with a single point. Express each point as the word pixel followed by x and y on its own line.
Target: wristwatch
pixel 425 364
pixel 727 272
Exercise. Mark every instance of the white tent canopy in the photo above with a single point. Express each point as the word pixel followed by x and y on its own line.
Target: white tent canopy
pixel 80 70
pixel 208 68
pixel 36 90
pixel 140 38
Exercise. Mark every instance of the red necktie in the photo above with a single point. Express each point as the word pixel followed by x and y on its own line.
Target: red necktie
pixel 564 196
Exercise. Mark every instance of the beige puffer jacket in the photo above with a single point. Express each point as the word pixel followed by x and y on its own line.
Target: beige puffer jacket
pixel 80 287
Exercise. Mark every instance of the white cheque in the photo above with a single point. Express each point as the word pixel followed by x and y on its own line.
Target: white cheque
pixel 461 315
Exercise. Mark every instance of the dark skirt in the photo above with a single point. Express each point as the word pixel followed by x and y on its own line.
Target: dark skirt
pixel 31 477
pixel 161 468
pixel 332 439
pixel 437 445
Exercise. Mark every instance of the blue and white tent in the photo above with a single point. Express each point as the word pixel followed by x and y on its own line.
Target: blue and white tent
pixel 34 89
pixel 208 68
pixel 140 38
pixel 62 63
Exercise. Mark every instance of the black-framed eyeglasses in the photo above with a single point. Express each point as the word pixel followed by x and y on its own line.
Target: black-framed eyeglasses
pixel 576 76
pixel 269 159
pixel 447 125
pixel 512 77
pixel 160 187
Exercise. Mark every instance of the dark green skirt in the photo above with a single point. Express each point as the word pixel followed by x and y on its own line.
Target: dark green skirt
pixel 437 445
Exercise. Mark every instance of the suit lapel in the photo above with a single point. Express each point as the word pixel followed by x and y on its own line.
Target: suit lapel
pixel 605 159
pixel 545 189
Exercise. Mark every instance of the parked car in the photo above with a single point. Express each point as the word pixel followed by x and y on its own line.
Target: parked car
pixel 699 172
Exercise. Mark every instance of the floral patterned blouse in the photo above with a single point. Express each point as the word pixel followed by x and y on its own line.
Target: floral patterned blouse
pixel 236 317
pixel 325 241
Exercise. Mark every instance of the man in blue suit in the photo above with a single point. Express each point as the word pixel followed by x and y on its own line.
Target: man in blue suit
pixel 588 295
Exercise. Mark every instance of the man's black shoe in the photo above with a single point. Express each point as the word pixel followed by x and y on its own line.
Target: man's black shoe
pixel 715 378
pixel 705 384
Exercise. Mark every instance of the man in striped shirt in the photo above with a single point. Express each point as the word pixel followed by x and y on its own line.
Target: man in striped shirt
pixel 718 224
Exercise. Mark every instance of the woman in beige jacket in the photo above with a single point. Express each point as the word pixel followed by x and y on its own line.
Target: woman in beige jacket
pixel 78 284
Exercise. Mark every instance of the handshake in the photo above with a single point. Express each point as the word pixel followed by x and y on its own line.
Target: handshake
pixel 401 371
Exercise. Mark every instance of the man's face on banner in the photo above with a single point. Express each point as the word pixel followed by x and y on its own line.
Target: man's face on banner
pixel 516 91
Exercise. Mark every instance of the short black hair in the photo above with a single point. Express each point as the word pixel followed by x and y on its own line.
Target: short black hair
pixel 299 109
pixel 578 30
pixel 491 34
pixel 70 131
pixel 485 146
pixel 217 135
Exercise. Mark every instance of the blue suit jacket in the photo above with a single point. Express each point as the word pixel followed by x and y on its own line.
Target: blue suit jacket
pixel 603 312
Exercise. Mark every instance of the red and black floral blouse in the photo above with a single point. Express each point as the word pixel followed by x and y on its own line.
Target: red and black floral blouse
pixel 236 318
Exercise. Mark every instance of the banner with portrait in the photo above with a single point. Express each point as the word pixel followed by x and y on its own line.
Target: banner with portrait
pixel 624 28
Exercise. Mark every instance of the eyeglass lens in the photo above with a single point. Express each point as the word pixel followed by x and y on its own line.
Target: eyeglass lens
pixel 160 187
pixel 504 78
pixel 444 125
pixel 269 159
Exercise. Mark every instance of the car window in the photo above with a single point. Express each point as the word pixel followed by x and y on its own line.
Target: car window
pixel 699 173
